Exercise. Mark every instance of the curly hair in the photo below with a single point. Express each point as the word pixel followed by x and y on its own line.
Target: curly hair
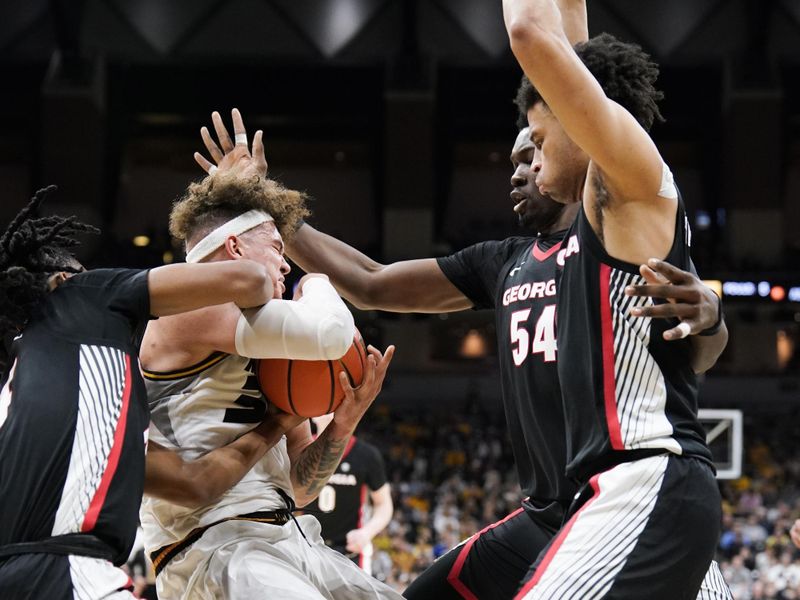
pixel 32 248
pixel 214 200
pixel 624 71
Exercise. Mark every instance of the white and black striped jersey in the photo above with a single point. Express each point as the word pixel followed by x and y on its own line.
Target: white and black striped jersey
pixel 628 393
pixel 196 410
pixel 73 414
pixel 516 278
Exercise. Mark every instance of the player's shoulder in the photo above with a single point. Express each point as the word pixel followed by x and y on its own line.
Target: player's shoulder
pixel 367 449
pixel 106 277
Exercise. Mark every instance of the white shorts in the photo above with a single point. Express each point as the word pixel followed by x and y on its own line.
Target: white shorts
pixel 245 560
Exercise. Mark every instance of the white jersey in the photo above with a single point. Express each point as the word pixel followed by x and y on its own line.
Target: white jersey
pixel 196 410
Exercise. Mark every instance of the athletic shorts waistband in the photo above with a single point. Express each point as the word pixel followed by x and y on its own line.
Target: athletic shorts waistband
pixel 76 544
pixel 163 555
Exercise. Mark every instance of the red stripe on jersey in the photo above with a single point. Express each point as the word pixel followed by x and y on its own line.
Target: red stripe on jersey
pixel 99 499
pixel 455 572
pixel 543 255
pixel 361 506
pixel 350 443
pixel 609 381
pixel 558 541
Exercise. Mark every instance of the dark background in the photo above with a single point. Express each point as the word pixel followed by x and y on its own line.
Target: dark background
pixel 396 116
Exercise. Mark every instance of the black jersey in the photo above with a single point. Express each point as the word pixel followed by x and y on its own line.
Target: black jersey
pixel 341 503
pixel 627 391
pixel 516 277
pixel 73 415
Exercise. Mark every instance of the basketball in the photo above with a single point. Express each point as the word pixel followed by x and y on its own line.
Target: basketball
pixel 310 388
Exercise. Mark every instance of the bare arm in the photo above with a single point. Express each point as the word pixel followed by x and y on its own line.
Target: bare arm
pixel 608 133
pixel 200 482
pixel 314 464
pixel 382 511
pixel 406 286
pixel 574 20
pixel 185 287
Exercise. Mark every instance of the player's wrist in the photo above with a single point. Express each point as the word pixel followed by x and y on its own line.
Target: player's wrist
pixel 714 329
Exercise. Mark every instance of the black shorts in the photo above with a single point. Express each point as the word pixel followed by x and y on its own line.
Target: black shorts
pixel 492 563
pixel 648 529
pixel 60 577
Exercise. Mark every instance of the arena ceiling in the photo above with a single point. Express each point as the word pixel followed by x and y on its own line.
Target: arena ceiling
pixel 366 31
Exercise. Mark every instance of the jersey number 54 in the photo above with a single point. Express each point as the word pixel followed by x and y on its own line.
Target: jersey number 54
pixel 544 335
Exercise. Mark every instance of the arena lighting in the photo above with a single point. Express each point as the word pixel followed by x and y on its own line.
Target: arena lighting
pixel 750 289
pixel 777 293
pixel 167 257
pixel 743 289
pixel 141 241
pixel 714 284
pixel 474 345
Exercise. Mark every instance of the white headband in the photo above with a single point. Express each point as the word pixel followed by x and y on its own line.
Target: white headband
pixel 216 239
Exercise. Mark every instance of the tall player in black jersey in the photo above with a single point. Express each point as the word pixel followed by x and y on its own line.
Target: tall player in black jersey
pixel 73 413
pixel 516 277
pixel 649 522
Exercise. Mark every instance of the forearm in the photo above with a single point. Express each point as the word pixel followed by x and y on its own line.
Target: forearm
pixel 348 269
pixel 574 20
pixel 706 350
pixel 381 517
pixel 202 481
pixel 314 466
pixel 404 286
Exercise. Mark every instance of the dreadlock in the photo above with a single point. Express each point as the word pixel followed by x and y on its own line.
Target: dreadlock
pixel 624 71
pixel 31 249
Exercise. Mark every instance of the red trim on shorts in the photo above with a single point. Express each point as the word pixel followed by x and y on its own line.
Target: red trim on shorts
pixel 609 382
pixel 556 544
pixel 455 572
pixel 96 505
pixel 543 255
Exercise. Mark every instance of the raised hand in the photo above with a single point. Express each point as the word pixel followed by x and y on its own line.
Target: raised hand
pixel 688 299
pixel 232 155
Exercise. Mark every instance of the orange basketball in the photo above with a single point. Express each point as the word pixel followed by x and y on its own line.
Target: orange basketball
pixel 310 388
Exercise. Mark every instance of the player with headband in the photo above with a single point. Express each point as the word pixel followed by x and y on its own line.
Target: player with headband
pixel 203 393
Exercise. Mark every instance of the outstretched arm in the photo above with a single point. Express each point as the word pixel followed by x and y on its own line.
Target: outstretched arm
pixel 185 287
pixel 574 20
pixel 200 482
pixel 313 462
pixel 405 286
pixel 608 133
pixel 690 300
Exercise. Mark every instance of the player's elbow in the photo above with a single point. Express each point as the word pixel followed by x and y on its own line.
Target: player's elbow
pixel 336 335
pixel 528 35
pixel 250 283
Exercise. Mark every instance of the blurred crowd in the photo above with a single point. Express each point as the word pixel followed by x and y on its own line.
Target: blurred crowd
pixel 452 473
